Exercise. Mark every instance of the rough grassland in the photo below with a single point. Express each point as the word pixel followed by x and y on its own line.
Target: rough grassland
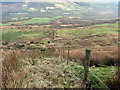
pixel 89 30
pixel 37 71
pixel 21 34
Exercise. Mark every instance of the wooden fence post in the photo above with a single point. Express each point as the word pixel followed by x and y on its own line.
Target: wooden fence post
pixel 86 64
pixel 63 52
pixel 61 55
pixel 68 57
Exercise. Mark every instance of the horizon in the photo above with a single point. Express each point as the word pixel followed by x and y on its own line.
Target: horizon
pixel 61 1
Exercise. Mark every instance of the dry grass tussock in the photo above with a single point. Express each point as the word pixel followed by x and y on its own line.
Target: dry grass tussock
pixel 13 72
pixel 30 53
pixel 115 82
pixel 12 76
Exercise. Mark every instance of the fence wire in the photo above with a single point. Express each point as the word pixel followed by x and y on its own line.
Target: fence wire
pixel 90 71
pixel 99 79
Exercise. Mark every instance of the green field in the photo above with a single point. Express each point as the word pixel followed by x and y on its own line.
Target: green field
pixel 15 35
pixel 30 21
pixel 89 30
pixel 21 34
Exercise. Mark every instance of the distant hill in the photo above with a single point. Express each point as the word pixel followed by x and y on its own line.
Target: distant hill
pixel 50 9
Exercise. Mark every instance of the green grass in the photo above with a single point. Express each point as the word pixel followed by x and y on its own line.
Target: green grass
pixel 106 28
pixel 103 73
pixel 15 35
pixel 31 21
pixel 5 24
pixel 56 17
pixel 90 30
pixel 11 35
pixel 21 18
pixel 77 32
pixel 35 20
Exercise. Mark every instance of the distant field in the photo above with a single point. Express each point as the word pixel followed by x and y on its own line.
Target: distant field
pixel 14 35
pixel 30 21
pixel 89 30
pixel 21 34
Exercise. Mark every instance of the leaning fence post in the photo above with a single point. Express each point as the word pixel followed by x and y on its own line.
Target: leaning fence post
pixel 86 64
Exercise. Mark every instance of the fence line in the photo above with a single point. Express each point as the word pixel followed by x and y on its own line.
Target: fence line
pixel 68 50
pixel 62 51
pixel 86 70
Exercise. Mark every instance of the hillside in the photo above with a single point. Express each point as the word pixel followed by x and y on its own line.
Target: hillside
pixel 12 11
pixel 60 45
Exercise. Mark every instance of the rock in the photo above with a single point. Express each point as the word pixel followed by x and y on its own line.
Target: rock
pixel 31 42
pixel 5 43
pixel 20 46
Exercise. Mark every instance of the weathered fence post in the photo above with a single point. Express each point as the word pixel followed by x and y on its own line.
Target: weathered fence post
pixel 86 65
pixel 68 57
pixel 61 55
pixel 63 52
pixel 53 35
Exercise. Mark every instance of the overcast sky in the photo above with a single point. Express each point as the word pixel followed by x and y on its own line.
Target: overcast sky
pixel 59 0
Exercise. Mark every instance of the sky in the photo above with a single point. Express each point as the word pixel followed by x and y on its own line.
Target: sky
pixel 59 0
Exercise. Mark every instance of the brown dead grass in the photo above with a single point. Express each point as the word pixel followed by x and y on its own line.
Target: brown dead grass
pixel 115 82
pixel 99 56
pixel 11 74
pixel 30 53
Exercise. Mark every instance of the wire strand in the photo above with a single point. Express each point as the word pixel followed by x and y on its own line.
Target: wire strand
pixel 99 79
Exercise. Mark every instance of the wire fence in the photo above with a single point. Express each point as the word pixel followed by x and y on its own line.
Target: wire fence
pixel 68 50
